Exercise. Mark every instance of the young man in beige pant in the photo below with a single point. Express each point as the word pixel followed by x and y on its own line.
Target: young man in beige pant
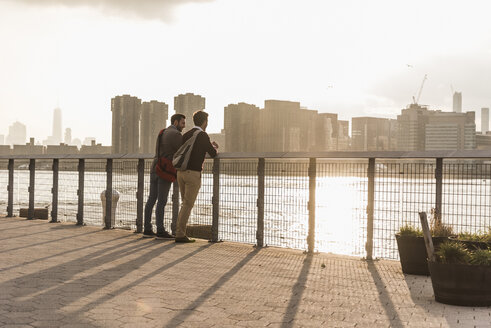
pixel 189 180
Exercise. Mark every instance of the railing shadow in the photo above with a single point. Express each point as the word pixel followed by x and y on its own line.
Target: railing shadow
pixel 133 264
pixel 181 316
pixel 297 292
pixel 384 297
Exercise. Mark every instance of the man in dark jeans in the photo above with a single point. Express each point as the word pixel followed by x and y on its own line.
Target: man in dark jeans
pixel 170 141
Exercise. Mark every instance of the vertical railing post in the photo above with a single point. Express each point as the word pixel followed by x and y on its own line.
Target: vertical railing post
pixel 32 182
pixel 215 199
pixel 139 195
pixel 438 188
pixel 370 207
pixel 109 193
pixel 10 189
pixel 311 204
pixel 261 165
pixel 54 191
pixel 175 207
pixel 80 191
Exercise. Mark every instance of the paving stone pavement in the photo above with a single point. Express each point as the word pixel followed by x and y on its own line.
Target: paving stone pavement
pixel 62 275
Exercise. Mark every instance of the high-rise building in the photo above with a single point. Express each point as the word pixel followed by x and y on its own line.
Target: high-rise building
pixel 187 104
pixel 484 120
pixel 68 136
pixel 153 117
pixel 450 131
pixel 125 124
pixel 372 134
pixel 17 134
pixel 411 128
pixel 457 102
pixel 57 126
pixel 343 135
pixel 241 122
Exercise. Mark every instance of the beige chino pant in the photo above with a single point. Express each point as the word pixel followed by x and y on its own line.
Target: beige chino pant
pixel 189 183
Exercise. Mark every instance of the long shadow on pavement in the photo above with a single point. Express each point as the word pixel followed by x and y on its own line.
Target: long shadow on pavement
pixel 384 297
pixel 297 292
pixel 144 278
pixel 180 317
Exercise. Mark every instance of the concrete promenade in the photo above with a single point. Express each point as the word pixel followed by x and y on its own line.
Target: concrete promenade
pixel 62 275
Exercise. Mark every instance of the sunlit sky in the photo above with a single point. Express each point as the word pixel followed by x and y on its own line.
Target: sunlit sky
pixel 356 58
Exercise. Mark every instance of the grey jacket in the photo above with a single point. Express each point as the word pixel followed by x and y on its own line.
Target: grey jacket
pixel 170 142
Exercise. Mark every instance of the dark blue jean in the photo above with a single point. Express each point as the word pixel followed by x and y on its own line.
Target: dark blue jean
pixel 159 190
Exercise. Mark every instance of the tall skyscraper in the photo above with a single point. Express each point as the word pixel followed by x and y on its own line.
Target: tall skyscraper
pixel 153 118
pixel 241 122
pixel 57 127
pixel 411 128
pixel 457 102
pixel 17 134
pixel 484 120
pixel 68 136
pixel 125 124
pixel 187 104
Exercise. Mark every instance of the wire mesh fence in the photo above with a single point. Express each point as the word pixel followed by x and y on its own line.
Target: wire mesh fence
pixel 403 188
pixel 4 181
pixel 238 200
pixel 341 200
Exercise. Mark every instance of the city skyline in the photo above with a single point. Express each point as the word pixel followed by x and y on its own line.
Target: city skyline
pixel 350 57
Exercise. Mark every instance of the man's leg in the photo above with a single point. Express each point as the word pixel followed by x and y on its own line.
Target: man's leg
pixel 152 197
pixel 163 193
pixel 192 180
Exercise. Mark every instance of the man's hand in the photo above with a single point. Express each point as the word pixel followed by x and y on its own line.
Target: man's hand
pixel 214 144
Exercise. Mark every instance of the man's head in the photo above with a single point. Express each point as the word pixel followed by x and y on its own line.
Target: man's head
pixel 200 119
pixel 179 121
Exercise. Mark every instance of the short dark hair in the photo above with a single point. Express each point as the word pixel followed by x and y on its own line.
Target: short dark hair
pixel 176 117
pixel 199 117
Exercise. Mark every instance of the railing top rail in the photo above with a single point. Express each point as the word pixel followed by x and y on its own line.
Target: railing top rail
pixel 448 154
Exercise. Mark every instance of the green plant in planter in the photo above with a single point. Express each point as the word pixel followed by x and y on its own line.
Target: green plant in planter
pixel 439 229
pixel 479 237
pixel 453 252
pixel 481 257
pixel 408 230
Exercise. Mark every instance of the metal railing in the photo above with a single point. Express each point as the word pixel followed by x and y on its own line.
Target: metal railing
pixel 340 202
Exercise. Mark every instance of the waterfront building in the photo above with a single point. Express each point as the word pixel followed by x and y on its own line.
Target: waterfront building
pixel 187 104
pixel 153 118
pixel 450 131
pixel 17 134
pixel 29 148
pixel 373 134
pixel 61 149
pixel 484 120
pixel 457 102
pixel 411 128
pixel 94 148
pixel 241 123
pixel 220 139
pixel 68 136
pixel 343 142
pixel 125 124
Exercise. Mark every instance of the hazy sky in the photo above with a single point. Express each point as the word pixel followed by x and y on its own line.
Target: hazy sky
pixel 349 57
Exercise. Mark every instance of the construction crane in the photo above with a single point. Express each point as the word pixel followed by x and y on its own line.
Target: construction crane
pixel 416 99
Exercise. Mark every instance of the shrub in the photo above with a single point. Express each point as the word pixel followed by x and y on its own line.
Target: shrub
pixel 480 237
pixel 481 257
pixel 453 252
pixel 438 229
pixel 410 231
